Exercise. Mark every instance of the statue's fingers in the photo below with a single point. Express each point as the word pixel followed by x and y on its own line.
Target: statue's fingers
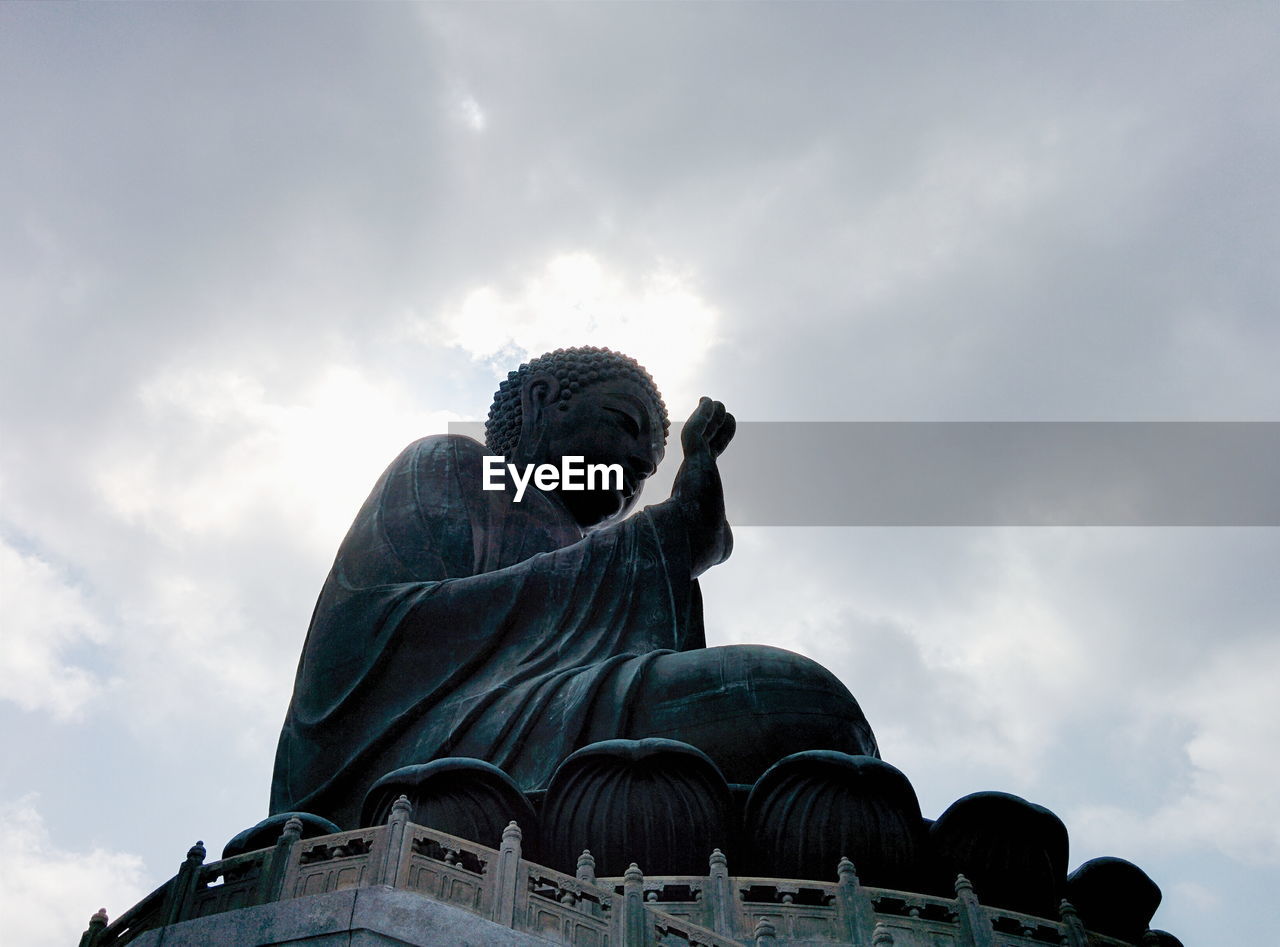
pixel 714 422
pixel 724 434
pixel 694 434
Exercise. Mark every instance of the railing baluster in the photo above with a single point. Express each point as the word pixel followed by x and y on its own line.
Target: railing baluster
pixel 1075 932
pixel 272 885
pixel 634 917
pixel 387 870
pixel 179 899
pixel 508 876
pixel 974 919
pixel 719 895
pixel 765 933
pixel 586 867
pixel 853 906
pixel 96 925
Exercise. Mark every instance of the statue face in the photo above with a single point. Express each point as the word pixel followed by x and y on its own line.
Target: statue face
pixel 610 422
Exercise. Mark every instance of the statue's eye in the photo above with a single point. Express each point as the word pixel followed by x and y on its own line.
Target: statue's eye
pixel 625 421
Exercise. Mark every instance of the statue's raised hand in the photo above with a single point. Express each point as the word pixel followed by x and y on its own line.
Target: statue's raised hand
pixel 697 491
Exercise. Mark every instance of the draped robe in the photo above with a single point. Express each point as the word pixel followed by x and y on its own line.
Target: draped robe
pixel 456 622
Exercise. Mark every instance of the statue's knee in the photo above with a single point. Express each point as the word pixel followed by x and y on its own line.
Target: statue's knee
pixel 777 669
pixel 748 706
pixel 795 703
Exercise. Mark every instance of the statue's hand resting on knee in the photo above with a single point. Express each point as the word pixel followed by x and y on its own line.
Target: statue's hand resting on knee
pixel 697 493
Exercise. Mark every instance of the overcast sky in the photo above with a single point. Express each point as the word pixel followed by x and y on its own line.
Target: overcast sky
pixel 248 252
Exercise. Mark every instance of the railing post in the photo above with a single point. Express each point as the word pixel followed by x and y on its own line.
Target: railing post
pixel 853 906
pixel 974 919
pixel 180 890
pixel 634 920
pixel 1076 936
pixel 883 937
pixel 387 871
pixel 273 884
pixel 719 894
pixel 96 925
pixel 508 880
pixel 766 934
pixel 586 868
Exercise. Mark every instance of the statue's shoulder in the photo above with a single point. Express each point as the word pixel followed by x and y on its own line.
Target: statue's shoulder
pixel 443 459
pixel 457 447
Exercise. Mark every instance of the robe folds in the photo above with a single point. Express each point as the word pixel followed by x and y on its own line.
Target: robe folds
pixel 456 622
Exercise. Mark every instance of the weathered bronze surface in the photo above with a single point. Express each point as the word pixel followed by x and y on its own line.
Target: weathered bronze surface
pixel 457 622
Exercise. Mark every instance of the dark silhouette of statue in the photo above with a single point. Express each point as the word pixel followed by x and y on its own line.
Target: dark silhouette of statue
pixel 458 622
pixel 523 665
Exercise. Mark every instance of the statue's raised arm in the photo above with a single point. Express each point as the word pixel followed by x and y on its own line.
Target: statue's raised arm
pixel 520 624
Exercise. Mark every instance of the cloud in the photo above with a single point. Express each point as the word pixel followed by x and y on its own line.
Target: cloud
pixel 232 488
pixel 1229 798
pixel 205 509
pixel 470 113
pixel 888 212
pixel 41 884
pixel 1122 677
pixel 45 617
pixel 1199 896
pixel 224 450
pixel 658 318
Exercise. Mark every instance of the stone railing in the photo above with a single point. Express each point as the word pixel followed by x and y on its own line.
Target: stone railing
pixel 715 910
pixel 767 911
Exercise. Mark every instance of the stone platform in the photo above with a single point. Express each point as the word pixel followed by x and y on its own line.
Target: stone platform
pixel 354 917
pixel 403 883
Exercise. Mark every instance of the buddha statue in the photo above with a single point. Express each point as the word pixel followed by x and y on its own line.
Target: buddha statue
pixel 460 621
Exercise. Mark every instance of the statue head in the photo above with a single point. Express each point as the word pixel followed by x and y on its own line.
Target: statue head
pixel 589 402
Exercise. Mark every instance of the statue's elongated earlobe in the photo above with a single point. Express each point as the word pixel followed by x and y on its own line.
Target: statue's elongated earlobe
pixel 539 393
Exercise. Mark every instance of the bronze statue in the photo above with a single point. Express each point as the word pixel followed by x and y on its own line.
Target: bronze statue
pixel 458 622
pixel 528 665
